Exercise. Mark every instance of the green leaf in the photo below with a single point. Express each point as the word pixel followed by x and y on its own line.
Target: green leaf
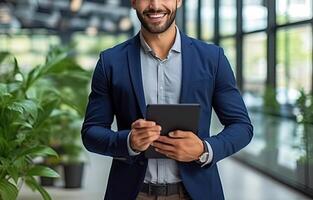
pixel 12 87
pixel 17 68
pixel 3 89
pixel 39 151
pixel 42 171
pixel 13 172
pixel 54 64
pixel 3 55
pixel 25 106
pixel 23 124
pixel 45 112
pixel 32 183
pixel 8 191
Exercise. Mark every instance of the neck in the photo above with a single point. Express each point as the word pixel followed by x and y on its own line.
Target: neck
pixel 161 43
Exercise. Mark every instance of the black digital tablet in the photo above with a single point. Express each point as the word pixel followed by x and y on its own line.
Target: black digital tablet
pixel 172 117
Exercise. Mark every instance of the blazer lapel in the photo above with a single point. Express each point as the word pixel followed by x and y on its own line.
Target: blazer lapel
pixel 134 65
pixel 187 63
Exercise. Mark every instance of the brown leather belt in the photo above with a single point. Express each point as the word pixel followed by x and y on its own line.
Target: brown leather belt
pixel 162 189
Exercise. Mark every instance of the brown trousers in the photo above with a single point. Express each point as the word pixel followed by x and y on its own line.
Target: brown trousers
pixel 183 195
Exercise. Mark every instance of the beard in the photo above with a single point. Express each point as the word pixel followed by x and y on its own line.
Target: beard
pixel 157 28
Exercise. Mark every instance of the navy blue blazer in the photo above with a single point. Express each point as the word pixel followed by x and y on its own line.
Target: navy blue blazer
pixel 117 90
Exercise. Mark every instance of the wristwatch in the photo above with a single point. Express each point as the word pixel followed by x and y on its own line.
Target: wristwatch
pixel 204 157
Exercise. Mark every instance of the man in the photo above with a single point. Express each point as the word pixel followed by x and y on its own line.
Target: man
pixel 162 65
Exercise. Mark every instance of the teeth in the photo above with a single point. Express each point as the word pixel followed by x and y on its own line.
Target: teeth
pixel 156 15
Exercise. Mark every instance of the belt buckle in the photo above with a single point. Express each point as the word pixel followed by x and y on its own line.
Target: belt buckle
pixel 157 189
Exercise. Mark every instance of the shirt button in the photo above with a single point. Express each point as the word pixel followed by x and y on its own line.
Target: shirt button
pixel 161 88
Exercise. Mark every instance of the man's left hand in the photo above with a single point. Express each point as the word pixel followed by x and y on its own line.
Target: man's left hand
pixel 182 146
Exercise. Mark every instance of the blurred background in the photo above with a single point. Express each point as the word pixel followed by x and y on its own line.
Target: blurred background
pixel 48 49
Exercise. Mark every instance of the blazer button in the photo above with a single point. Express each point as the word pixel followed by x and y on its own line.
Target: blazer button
pixel 141 163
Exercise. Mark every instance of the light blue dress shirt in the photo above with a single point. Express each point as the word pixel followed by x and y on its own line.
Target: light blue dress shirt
pixel 162 85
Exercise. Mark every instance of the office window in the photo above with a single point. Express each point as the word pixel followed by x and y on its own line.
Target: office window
pixel 19 44
pixel 229 46
pixel 207 19
pixel 293 10
pixel 254 15
pixel 42 43
pixel 227 17
pixel 294 63
pixel 191 17
pixel 3 43
pixel 89 47
pixel 254 63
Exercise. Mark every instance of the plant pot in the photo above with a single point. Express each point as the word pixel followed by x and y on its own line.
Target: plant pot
pixel 301 172
pixel 48 181
pixel 73 174
pixel 310 175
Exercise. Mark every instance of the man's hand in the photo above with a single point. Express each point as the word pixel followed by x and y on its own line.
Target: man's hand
pixel 143 133
pixel 182 146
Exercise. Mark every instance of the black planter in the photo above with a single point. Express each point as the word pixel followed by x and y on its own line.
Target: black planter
pixel 73 174
pixel 301 172
pixel 47 181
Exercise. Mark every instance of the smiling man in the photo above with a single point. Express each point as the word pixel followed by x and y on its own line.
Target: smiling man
pixel 161 65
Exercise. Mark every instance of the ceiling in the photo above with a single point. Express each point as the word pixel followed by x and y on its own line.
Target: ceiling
pixel 66 16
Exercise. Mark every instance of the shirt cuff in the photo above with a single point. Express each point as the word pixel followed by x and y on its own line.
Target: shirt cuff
pixel 210 151
pixel 130 150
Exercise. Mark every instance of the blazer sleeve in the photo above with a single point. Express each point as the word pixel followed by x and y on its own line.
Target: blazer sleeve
pixel 97 135
pixel 232 113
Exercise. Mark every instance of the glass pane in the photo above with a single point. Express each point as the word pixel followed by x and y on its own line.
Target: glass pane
pixel 294 63
pixel 254 64
pixel 293 10
pixel 19 44
pixel 227 17
pixel 254 15
pixel 207 19
pixel 278 147
pixel 4 43
pixel 229 46
pixel 191 17
pixel 40 43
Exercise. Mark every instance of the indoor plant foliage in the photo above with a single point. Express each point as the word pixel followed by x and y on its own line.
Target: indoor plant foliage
pixel 29 106
pixel 305 120
pixel 270 103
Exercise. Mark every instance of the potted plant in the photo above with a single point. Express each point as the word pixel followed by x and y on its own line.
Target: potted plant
pixel 271 109
pixel 270 103
pixel 21 118
pixel 29 106
pixel 305 123
pixel 74 87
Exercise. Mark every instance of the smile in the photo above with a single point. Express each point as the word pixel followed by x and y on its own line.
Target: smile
pixel 156 15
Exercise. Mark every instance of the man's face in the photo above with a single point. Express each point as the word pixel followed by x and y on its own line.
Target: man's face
pixel 156 16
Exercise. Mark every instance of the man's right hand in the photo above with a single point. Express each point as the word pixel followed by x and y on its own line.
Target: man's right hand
pixel 143 133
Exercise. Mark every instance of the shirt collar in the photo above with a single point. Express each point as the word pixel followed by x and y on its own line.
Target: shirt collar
pixel 176 46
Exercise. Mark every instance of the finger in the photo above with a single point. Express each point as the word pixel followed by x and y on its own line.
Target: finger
pixel 167 140
pixel 166 153
pixel 149 140
pixel 141 123
pixel 163 146
pixel 152 128
pixel 179 134
pixel 146 133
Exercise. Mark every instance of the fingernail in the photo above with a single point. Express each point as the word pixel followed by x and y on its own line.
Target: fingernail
pixel 156 149
pixel 171 134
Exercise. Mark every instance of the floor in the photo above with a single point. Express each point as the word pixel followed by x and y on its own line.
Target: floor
pixel 239 181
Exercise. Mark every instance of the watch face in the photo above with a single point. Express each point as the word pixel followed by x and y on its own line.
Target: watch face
pixel 204 157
